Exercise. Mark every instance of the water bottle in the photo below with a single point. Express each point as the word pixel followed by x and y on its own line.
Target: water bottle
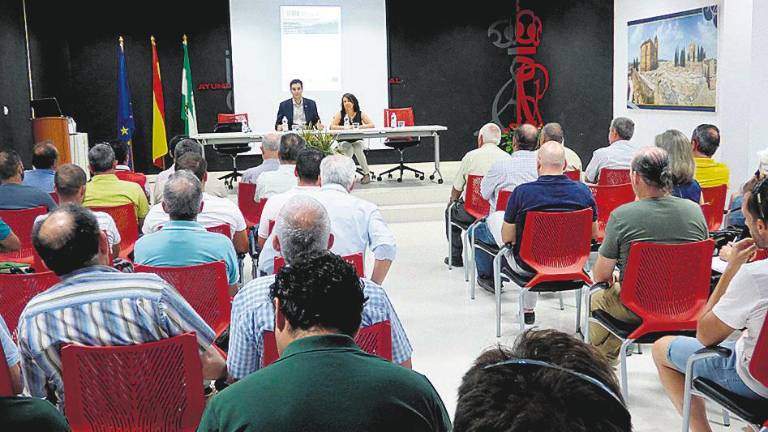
pixel 393 120
pixel 285 124
pixel 346 121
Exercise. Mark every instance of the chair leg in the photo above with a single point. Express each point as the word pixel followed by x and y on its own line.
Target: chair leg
pixel 465 254
pixel 578 311
pixel 623 366
pixel 450 241
pixel 497 290
pixel 726 418
pixel 521 309
pixel 562 306
pixel 639 348
pixel 473 270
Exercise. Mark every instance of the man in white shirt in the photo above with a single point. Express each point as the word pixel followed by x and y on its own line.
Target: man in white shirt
pixel 475 162
pixel 618 154
pixel 519 169
pixel 270 145
pixel 739 303
pixel 185 145
pixel 69 183
pixel 284 178
pixel 215 211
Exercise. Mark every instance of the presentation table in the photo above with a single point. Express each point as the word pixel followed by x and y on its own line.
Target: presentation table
pixel 345 134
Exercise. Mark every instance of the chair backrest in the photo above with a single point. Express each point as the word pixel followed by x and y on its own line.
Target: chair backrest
pixel 204 286
pixel 6 387
pixel 17 290
pixel 251 209
pixel 148 387
pixel 556 245
pixel 502 200
pixel 220 229
pixel 125 220
pixel 403 115
pixel 354 259
pixel 21 223
pixel 611 176
pixel 375 339
pixel 223 118
pixel 54 196
pixel 714 205
pixel 474 203
pixel 608 199
pixel 667 285
pixel 574 175
pixel 758 364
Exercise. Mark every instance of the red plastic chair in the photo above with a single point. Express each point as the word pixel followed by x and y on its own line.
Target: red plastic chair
pixel 148 387
pixel 502 200
pixel 404 115
pixel 204 286
pixel 21 223
pixel 714 205
pixel 666 285
pixel 608 199
pixel 250 208
pixel 375 339
pixel 469 264
pixel 475 205
pixel 613 177
pixel 222 229
pixel 574 175
pixel 6 387
pixel 127 224
pixel 354 259
pixel 17 290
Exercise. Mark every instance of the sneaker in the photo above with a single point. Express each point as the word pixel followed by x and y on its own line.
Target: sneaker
pixel 457 262
pixel 529 317
pixel 487 284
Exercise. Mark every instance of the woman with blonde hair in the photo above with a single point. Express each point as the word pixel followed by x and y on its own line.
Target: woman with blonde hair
pixel 681 164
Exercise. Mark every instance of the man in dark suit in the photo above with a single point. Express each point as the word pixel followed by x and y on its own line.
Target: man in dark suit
pixel 297 110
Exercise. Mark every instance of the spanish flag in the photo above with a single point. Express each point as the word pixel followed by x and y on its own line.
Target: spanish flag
pixel 159 140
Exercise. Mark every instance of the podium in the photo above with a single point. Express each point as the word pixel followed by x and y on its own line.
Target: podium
pixel 55 130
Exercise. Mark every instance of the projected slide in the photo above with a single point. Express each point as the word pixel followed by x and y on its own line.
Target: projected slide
pixel 311 46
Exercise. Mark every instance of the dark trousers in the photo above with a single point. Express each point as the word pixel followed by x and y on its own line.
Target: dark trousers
pixel 459 215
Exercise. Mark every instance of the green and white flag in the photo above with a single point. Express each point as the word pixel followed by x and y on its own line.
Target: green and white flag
pixel 188 111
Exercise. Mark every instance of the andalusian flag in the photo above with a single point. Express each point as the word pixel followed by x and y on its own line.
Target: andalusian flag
pixel 125 123
pixel 159 140
pixel 188 112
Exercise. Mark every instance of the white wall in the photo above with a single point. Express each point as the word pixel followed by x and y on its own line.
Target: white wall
pixel 737 94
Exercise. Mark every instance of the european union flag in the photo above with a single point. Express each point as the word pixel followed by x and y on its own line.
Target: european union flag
pixel 125 124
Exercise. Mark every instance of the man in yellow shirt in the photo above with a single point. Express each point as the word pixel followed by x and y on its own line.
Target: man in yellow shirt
pixel 106 190
pixel 709 172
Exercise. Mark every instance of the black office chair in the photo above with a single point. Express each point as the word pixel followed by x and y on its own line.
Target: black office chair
pixel 231 150
pixel 400 144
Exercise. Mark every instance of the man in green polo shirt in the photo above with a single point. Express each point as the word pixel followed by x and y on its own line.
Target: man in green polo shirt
pixel 323 381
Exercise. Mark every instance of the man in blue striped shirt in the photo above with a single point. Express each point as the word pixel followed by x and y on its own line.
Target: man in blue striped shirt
pixel 302 226
pixel 95 305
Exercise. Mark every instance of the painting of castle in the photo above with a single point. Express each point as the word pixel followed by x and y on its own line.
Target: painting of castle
pixel 673 61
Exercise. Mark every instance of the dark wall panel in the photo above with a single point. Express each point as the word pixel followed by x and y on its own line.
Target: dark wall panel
pixel 15 128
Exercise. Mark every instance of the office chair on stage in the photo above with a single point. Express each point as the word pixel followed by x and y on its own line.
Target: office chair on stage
pixel 232 123
pixel 404 115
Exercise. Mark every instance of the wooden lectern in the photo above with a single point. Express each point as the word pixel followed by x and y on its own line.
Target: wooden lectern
pixel 55 130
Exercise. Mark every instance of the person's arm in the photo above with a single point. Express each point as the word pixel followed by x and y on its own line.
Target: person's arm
pixel 711 330
pixel 17 387
pixel 508 233
pixel 279 119
pixel 214 365
pixel 115 250
pixel 590 174
pixel 380 270
pixel 240 240
pixel 491 180
pixel 595 230
pixel 335 122
pixel 455 195
pixel 367 122
pixel 603 270
pixel 382 243
pixel 10 243
pixel 12 358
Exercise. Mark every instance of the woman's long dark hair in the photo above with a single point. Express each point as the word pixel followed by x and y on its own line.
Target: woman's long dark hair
pixel 355 106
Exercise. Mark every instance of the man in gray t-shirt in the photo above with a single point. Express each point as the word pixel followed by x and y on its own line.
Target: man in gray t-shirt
pixel 656 217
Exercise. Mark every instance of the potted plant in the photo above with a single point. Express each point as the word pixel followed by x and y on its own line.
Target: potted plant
pixel 319 140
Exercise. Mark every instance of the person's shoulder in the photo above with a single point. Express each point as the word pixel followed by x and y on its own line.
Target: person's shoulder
pixel 253 291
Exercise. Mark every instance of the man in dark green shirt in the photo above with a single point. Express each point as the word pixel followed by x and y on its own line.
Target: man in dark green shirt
pixel 323 381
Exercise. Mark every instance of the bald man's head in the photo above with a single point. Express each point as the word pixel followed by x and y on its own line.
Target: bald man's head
pixel 551 157
pixel 526 137
pixel 68 239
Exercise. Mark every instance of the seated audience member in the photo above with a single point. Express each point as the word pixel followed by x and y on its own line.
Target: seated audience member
pixel 44 157
pixel 179 146
pixel 552 191
pixel 323 380
pixel 705 142
pixel 348 116
pixel 549 381
pixel 122 170
pixel 13 194
pixel 356 224
pixel 183 241
pixel 655 217
pixel 475 162
pixel 100 297
pixel 8 240
pixel 106 190
pixel 308 172
pixel 520 168
pixel 284 178
pixel 681 164
pixel 739 303
pixel 270 145
pixel 70 183
pixel 24 413
pixel 303 226
pixel 618 154
pixel 216 211
pixel 554 132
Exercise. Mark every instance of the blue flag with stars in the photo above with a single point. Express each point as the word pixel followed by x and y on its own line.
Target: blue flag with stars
pixel 125 124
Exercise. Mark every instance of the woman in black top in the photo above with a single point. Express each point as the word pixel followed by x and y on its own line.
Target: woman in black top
pixel 350 117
